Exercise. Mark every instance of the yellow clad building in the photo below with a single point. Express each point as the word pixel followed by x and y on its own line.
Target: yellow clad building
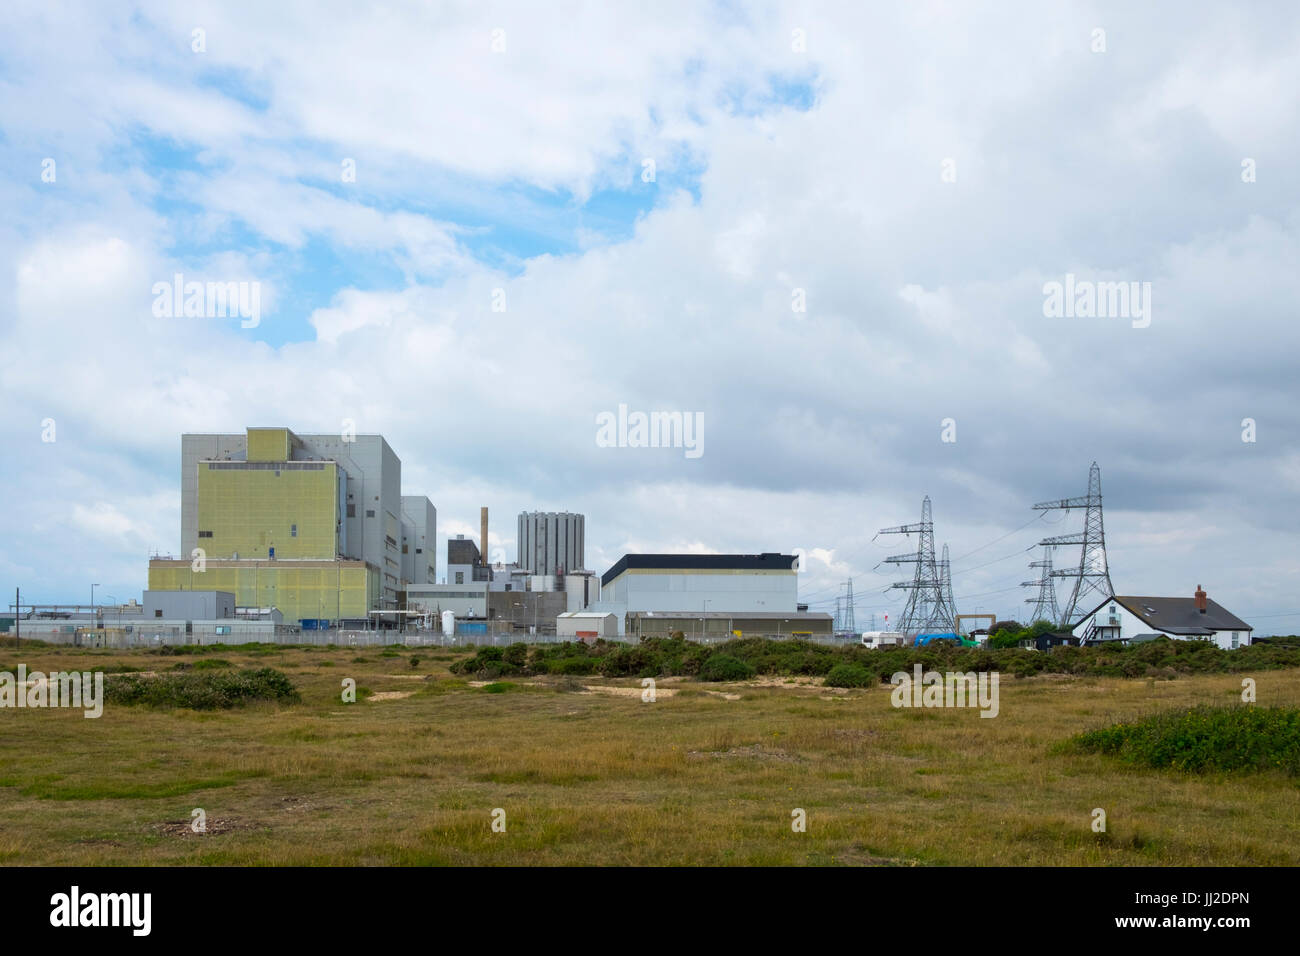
pixel 313 525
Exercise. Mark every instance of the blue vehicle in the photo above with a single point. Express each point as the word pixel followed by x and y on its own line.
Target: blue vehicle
pixel 923 639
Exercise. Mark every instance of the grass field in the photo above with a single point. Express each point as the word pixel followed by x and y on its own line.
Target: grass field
pixel 707 774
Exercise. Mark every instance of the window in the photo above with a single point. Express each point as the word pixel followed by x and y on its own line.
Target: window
pixel 1236 639
pixel 419 550
pixel 158 612
pixel 352 511
pixel 460 577
pixel 205 534
pixel 223 628
pixel 370 512
pixel 293 531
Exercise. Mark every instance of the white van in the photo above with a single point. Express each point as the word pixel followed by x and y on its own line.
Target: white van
pixel 878 639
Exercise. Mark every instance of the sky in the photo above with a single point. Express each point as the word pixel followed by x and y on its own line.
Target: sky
pixel 826 231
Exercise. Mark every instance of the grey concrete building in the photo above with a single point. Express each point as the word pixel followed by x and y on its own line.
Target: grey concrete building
pixel 419 540
pixel 551 542
pixel 188 605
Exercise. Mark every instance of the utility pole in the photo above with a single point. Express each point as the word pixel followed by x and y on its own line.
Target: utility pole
pixel 18 618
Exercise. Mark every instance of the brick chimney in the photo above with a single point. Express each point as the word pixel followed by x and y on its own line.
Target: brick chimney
pixel 1200 599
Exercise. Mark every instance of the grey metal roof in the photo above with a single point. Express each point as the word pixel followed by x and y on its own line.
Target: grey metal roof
pixel 1180 616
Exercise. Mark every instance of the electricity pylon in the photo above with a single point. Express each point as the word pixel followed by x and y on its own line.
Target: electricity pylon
pixel 1045 608
pixel 928 607
pixel 945 580
pixel 1093 575
pixel 850 625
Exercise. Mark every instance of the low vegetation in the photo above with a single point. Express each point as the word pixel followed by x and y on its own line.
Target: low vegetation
pixel 204 690
pixel 1205 739
pixel 666 657
pixel 589 772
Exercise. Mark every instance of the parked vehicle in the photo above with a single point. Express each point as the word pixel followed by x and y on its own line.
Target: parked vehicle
pixel 879 639
pixel 948 638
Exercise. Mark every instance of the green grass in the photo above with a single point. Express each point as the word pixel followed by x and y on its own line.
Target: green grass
pixel 588 774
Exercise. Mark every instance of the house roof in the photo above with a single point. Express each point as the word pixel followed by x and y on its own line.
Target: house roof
pixel 1179 615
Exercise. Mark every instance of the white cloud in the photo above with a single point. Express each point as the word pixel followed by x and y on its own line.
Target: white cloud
pixel 924 296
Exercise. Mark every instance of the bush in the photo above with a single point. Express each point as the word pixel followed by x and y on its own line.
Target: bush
pixel 664 657
pixel 850 675
pixel 575 666
pixel 720 667
pixel 1205 739
pixel 200 691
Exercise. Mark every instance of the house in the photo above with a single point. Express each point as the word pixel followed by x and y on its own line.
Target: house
pixel 1045 642
pixel 1130 619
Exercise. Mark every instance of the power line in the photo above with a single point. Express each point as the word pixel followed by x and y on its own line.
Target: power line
pixel 1037 517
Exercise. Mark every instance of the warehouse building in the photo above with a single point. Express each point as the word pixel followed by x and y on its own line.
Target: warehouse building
pixel 708 596
pixel 723 626
pixel 702 582
pixel 465 600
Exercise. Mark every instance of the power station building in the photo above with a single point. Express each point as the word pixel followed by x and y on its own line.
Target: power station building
pixel 708 596
pixel 551 542
pixel 314 525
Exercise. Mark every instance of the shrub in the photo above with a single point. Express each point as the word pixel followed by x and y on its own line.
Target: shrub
pixel 200 691
pixel 720 667
pixel 1204 739
pixel 850 675
pixel 577 666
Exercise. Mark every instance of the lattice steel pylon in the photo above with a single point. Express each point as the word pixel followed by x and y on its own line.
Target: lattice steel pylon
pixel 928 607
pixel 1093 574
pixel 1044 605
pixel 945 580
pixel 850 626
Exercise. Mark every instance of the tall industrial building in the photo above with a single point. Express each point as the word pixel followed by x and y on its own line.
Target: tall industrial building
pixel 315 525
pixel 551 542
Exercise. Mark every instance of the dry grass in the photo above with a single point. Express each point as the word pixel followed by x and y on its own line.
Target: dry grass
pixel 585 778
